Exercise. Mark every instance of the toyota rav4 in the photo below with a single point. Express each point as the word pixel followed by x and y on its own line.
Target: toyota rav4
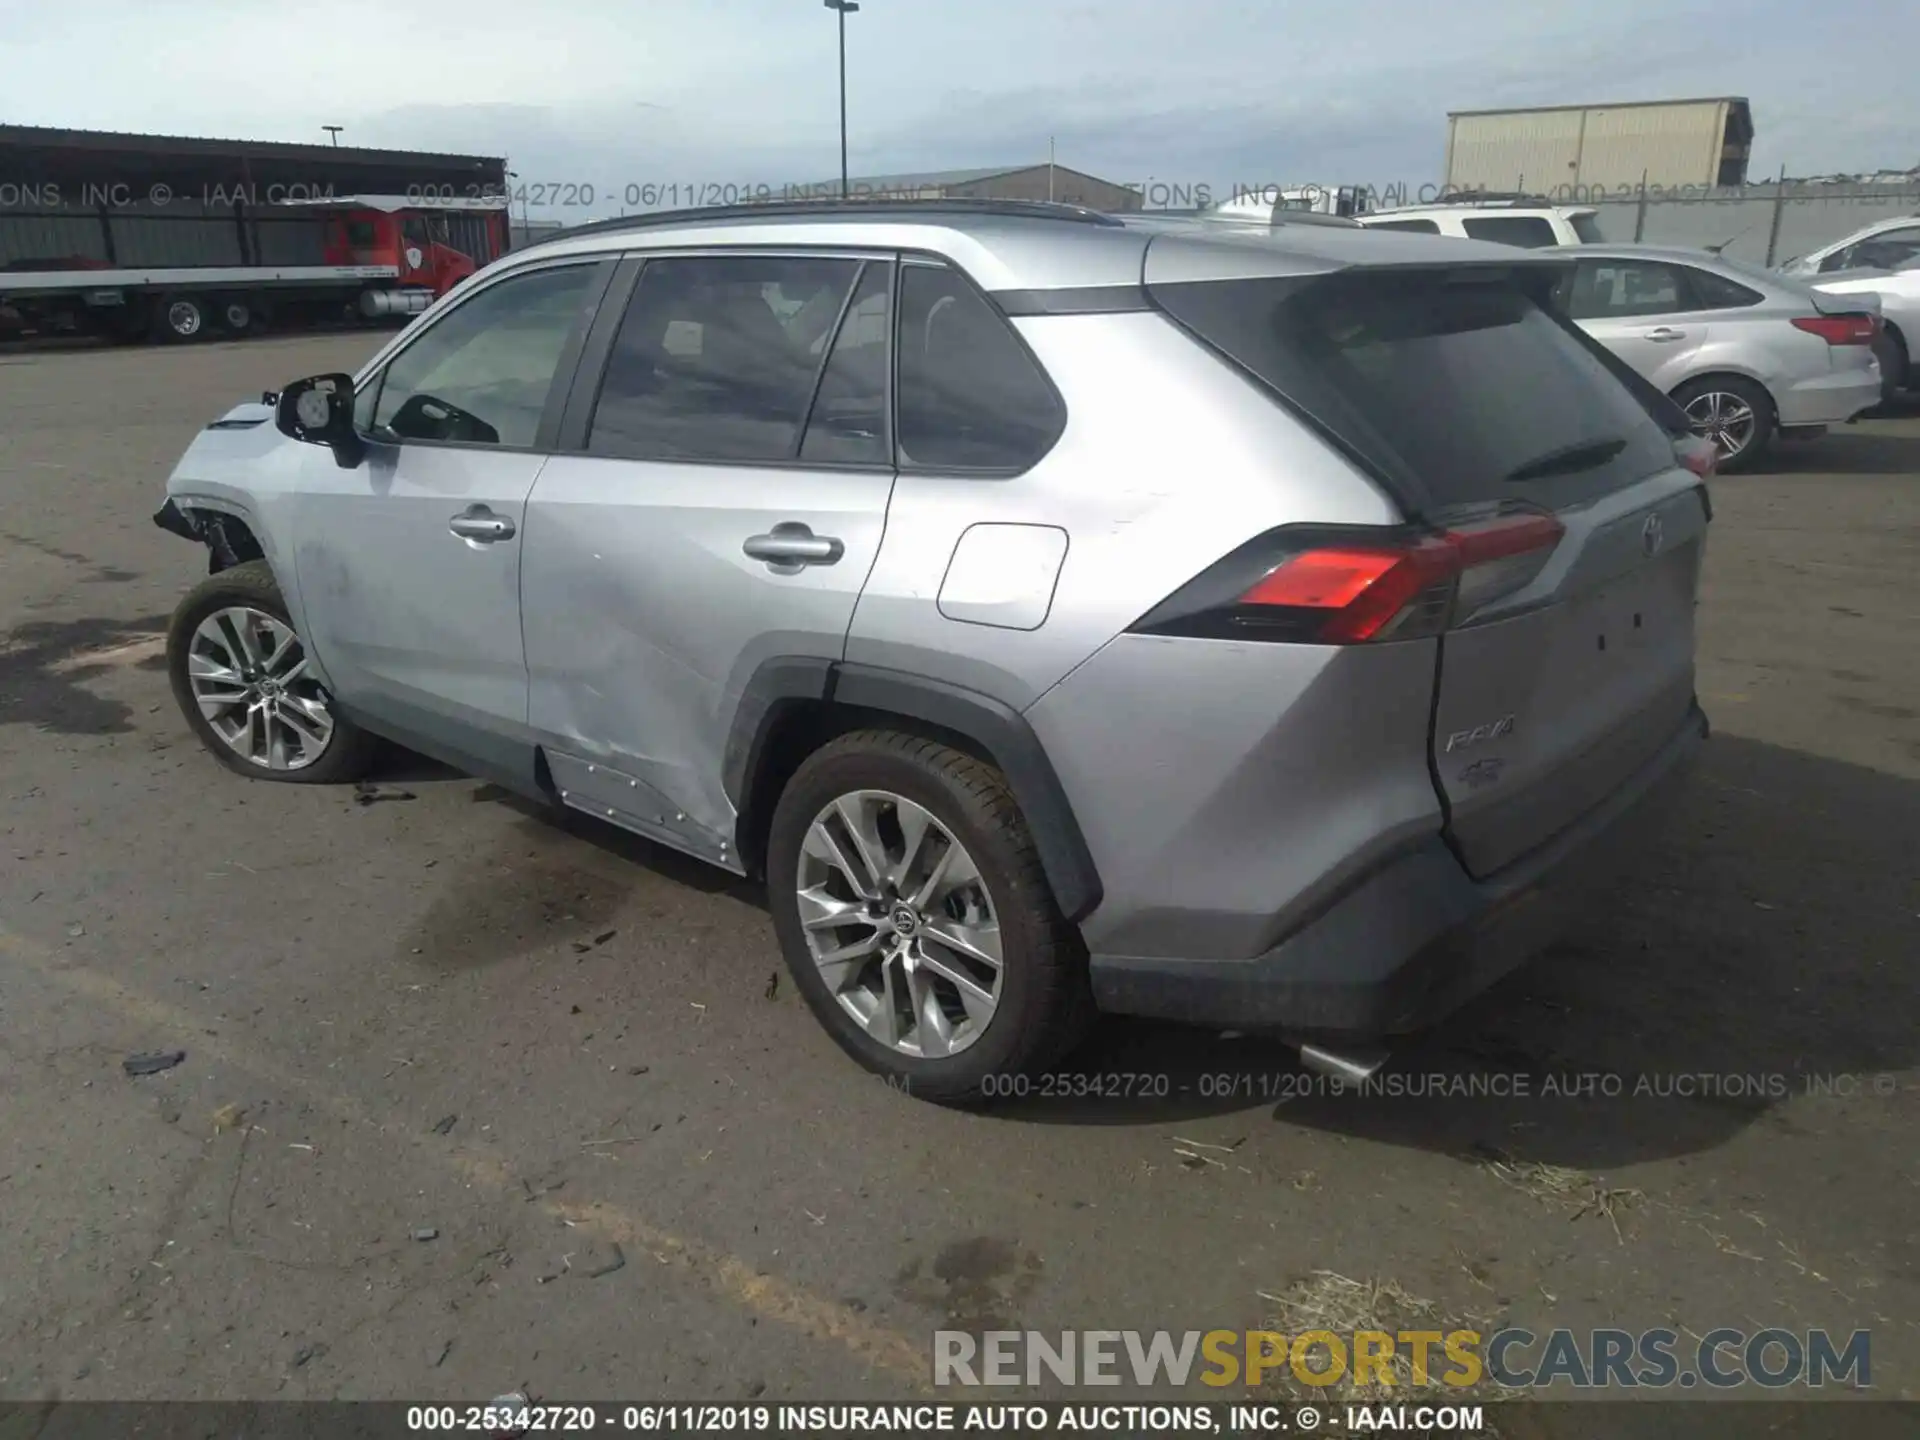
pixel 1258 628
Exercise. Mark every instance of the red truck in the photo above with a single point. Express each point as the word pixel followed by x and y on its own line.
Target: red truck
pixel 358 258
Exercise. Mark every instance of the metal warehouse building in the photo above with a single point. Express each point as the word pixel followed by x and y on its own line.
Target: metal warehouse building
pixel 1000 182
pixel 1578 149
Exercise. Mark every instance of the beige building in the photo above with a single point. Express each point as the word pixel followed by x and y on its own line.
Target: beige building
pixel 1577 150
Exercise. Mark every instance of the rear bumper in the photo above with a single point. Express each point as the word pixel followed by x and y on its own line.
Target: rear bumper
pixel 1831 399
pixel 1415 939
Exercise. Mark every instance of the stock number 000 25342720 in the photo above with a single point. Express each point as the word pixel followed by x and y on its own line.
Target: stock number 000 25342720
pixel 1112 1085
pixel 499 1419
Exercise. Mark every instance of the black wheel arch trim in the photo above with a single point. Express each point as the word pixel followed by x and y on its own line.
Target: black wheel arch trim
pixel 998 729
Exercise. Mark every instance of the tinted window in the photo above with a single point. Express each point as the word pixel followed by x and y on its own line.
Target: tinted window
pixel 1717 292
pixel 1424 227
pixel 971 397
pixel 1530 231
pixel 716 357
pixel 849 421
pixel 1616 289
pixel 1447 388
pixel 1587 228
pixel 482 373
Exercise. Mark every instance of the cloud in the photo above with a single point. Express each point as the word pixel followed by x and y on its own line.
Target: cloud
pixel 612 92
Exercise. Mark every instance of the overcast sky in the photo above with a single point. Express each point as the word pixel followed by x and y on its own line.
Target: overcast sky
pixel 616 92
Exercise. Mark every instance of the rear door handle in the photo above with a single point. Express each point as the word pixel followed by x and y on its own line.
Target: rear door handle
pixel 480 525
pixel 1666 332
pixel 790 547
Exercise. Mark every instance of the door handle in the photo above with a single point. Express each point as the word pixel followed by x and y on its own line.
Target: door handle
pixel 1665 333
pixel 790 546
pixel 480 525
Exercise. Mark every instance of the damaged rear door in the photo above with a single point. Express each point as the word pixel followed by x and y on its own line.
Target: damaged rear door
pixel 719 501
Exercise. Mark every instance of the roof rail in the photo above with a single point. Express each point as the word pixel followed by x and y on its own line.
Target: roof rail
pixel 1496 197
pixel 787 209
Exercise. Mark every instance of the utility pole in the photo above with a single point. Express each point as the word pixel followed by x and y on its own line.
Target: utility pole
pixel 1049 167
pixel 334 131
pixel 844 9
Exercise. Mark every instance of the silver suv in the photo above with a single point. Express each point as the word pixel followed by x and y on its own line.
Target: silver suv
pixel 1248 627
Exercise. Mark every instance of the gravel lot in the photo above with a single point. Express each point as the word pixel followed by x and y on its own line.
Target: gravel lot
pixel 649 1174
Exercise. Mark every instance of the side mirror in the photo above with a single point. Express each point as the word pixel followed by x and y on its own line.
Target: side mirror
pixel 319 411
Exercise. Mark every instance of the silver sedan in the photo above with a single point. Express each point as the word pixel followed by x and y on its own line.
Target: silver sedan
pixel 1748 354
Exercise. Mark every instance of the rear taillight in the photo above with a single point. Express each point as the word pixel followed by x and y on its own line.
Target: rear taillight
pixel 1697 453
pixel 1839 329
pixel 1351 588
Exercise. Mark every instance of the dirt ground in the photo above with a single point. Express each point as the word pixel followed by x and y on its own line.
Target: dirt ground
pixel 572 1059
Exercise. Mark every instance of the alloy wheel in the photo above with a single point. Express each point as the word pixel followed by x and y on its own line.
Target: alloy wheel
pixel 184 318
pixel 1725 419
pixel 900 923
pixel 249 676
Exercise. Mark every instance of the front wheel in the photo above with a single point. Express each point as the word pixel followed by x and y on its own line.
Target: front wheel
pixel 916 919
pixel 241 678
pixel 1735 413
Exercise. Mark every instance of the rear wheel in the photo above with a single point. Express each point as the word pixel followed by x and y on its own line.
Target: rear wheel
pixel 916 919
pixel 1735 413
pixel 182 318
pixel 1895 364
pixel 241 678
pixel 237 315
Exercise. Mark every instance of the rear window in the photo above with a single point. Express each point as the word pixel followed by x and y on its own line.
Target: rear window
pixel 1587 228
pixel 1454 388
pixel 1531 231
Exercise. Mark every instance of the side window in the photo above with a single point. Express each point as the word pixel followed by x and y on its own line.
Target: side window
pixel 481 375
pixel 1617 289
pixel 848 425
pixel 716 357
pixel 971 397
pixel 1716 292
pixel 1531 231
pixel 1423 227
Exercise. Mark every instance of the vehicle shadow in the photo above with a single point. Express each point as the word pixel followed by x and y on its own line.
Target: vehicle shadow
pixel 1760 950
pixel 1851 449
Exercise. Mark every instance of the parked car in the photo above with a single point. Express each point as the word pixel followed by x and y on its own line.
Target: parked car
pixel 1885 244
pixel 1896 293
pixel 1747 353
pixel 1268 628
pixel 1533 224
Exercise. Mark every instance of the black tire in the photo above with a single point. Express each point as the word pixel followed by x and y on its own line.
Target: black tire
pixel 182 319
pixel 1755 397
pixel 1044 1005
pixel 1896 365
pixel 349 751
pixel 236 314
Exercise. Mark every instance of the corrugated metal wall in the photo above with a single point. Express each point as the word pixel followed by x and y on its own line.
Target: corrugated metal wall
pixel 184 232
pixel 1523 150
pixel 35 236
pixel 1541 151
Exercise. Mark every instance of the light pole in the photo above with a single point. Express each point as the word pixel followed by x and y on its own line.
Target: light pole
pixel 845 8
pixel 334 131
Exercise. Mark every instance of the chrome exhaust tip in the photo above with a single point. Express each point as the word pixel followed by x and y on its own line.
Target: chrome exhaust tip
pixel 1351 1067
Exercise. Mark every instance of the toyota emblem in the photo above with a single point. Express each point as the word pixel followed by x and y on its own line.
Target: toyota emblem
pixel 1652 536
